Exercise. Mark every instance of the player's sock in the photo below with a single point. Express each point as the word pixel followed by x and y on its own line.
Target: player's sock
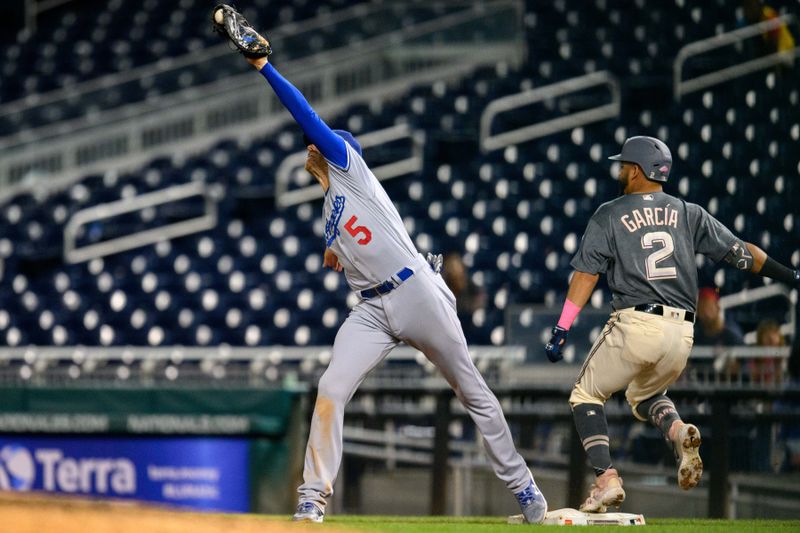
pixel 590 421
pixel 661 412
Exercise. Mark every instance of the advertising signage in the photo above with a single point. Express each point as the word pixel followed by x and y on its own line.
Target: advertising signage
pixel 199 473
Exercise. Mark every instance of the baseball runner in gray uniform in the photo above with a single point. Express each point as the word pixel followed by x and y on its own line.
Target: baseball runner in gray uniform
pixel 403 299
pixel 645 242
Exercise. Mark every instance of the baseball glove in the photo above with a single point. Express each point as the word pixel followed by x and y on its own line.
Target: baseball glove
pixel 231 24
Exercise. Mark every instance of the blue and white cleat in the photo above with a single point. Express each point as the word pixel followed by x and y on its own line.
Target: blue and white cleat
pixel 308 512
pixel 532 503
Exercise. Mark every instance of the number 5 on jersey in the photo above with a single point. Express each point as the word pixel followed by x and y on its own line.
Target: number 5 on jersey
pixel 355 231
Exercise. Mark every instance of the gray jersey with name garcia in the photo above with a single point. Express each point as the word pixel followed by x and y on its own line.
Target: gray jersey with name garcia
pixel 363 227
pixel 646 245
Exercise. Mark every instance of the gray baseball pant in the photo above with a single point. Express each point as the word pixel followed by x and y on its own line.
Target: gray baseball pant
pixel 422 313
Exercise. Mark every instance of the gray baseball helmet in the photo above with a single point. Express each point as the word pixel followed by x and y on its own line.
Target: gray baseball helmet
pixel 649 153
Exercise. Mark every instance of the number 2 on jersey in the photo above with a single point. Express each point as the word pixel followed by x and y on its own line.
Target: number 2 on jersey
pixel 357 230
pixel 651 264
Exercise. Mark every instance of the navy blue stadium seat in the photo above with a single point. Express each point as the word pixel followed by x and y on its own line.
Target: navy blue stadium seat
pixel 517 214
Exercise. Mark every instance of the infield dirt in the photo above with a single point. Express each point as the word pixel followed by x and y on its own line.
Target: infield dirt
pixel 37 513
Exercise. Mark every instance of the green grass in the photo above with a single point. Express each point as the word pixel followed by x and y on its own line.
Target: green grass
pixel 444 524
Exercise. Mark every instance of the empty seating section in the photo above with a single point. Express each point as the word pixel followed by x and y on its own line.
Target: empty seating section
pixel 79 42
pixel 517 214
pixel 629 37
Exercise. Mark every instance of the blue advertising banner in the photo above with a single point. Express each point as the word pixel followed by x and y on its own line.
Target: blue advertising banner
pixel 202 473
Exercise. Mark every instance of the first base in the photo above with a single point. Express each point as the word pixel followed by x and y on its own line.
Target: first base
pixel 573 517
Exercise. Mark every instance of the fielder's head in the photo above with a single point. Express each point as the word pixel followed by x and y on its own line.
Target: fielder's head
pixel 344 134
pixel 316 163
pixel 643 158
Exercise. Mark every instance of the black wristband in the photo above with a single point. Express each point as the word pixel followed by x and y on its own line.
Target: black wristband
pixel 778 272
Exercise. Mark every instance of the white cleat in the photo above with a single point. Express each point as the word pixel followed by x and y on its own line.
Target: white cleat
pixel 687 452
pixel 606 491
pixel 308 512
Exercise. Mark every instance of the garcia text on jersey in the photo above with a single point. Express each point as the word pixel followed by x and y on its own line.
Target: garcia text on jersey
pixel 650 216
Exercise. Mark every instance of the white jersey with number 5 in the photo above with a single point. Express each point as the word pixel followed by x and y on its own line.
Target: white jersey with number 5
pixel 362 225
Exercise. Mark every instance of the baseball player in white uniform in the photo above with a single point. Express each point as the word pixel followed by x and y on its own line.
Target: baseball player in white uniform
pixel 403 299
pixel 645 242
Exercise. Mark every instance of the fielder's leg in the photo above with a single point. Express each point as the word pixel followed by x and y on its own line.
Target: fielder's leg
pixel 361 343
pixel 423 311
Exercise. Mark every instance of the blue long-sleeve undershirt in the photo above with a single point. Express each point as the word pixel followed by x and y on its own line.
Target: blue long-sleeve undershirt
pixel 327 142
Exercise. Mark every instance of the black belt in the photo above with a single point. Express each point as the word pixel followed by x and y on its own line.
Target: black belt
pixel 656 309
pixel 387 286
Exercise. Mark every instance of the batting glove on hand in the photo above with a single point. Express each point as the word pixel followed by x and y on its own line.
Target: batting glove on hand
pixel 553 348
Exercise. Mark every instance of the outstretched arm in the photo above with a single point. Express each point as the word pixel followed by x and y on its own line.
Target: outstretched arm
pixel 327 142
pixel 715 241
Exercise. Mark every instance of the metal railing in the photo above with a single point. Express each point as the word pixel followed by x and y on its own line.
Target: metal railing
pixel 715 409
pixel 740 352
pixel 186 61
pixel 270 354
pixel 76 254
pixel 431 406
pixel 407 165
pixel 749 296
pixel 490 142
pixel 221 364
pixel 241 106
pixel 278 38
pixel 682 87
pixel 34 8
